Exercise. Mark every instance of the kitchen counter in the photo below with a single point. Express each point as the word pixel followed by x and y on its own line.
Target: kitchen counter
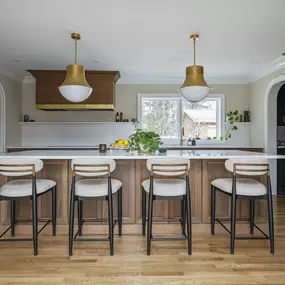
pixel 122 154
pixel 206 165
pixel 172 146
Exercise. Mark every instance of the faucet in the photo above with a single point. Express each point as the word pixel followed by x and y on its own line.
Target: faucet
pixel 181 135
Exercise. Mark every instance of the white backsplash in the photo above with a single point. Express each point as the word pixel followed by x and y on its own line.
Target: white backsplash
pixel 74 134
pixel 91 134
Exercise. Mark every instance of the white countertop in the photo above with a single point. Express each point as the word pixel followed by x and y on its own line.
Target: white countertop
pixel 218 146
pixel 121 154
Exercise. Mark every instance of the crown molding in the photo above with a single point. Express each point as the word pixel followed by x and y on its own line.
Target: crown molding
pixel 29 79
pixel 274 66
pixel 10 74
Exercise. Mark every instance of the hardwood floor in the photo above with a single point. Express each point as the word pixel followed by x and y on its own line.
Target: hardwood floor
pixel 169 263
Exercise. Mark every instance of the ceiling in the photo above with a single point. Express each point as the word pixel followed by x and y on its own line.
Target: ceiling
pixel 239 39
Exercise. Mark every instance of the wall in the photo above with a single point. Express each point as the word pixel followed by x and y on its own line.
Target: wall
pixel 13 98
pixel 126 102
pixel 257 93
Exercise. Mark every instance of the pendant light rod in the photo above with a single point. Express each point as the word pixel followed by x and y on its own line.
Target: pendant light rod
pixel 194 37
pixel 75 37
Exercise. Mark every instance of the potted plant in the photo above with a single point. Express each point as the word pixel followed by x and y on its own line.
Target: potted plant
pixel 231 118
pixel 144 142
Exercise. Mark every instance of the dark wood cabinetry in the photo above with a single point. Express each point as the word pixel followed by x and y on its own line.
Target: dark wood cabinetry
pixel 281 107
pixel 48 96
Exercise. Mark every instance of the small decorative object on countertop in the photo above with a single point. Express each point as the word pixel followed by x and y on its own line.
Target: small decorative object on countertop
pixel 26 118
pixel 117 117
pixel 246 117
pixel 121 116
pixel 241 118
pixel 189 142
pixel 102 148
pixel 193 141
pixel 32 120
pixel 163 150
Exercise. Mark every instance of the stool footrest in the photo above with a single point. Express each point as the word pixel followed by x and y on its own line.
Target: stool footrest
pixel 91 239
pixel 21 239
pixel 16 239
pixel 265 236
pixel 168 239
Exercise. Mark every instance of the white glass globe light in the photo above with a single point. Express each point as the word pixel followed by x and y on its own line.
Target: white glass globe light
pixel 75 93
pixel 194 93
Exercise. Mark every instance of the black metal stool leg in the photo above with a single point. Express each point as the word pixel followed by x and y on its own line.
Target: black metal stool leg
pixel 189 222
pixel 120 210
pixel 251 211
pixel 79 216
pixel 233 224
pixel 183 206
pixel 110 218
pixel 143 211
pixel 12 217
pixel 35 224
pixel 149 223
pixel 270 216
pixel 54 209
pixel 71 215
pixel 213 210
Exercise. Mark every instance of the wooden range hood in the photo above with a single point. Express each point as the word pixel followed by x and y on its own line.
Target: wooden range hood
pixel 49 98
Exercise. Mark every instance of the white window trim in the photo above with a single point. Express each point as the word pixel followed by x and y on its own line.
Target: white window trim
pixel 220 119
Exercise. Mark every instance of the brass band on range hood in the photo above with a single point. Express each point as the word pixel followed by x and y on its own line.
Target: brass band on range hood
pixel 76 106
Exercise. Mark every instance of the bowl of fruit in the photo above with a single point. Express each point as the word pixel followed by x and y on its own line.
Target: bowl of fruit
pixel 120 144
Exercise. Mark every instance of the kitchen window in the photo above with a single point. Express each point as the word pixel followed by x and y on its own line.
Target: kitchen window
pixel 165 114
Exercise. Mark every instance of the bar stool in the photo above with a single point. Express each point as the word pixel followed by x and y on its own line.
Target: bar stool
pixel 244 188
pixel 94 189
pixel 26 189
pixel 167 189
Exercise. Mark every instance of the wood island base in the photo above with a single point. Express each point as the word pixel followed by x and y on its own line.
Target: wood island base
pixel 132 173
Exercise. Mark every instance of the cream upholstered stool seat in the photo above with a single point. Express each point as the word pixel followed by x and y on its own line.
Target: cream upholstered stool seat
pixel 23 187
pixel 26 189
pixel 96 187
pixel 167 189
pixel 244 188
pixel 93 187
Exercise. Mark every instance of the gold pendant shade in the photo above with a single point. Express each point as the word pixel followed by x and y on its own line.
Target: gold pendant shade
pixel 75 87
pixel 195 88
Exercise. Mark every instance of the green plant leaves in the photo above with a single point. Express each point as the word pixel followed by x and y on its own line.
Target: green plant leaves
pixel 141 140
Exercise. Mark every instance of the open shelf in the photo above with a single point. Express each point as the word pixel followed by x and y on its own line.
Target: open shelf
pixel 30 123
pixel 240 123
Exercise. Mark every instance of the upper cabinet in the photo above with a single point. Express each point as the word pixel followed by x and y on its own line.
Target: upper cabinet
pixel 48 96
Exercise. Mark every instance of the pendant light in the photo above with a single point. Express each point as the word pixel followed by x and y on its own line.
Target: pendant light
pixel 195 87
pixel 75 87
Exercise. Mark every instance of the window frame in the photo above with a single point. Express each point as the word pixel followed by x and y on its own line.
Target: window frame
pixel 175 141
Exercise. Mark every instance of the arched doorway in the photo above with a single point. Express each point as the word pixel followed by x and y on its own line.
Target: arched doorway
pixel 2 120
pixel 270 124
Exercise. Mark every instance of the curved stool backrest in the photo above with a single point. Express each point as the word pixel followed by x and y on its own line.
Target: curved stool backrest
pixel 168 166
pixel 93 167
pixel 250 166
pixel 20 166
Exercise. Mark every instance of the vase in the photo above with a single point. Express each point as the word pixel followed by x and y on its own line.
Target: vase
pixel 143 149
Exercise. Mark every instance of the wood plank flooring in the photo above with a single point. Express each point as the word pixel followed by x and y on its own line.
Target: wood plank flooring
pixel 210 264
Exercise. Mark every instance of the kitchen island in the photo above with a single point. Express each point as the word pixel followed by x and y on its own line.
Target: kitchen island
pixel 206 165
